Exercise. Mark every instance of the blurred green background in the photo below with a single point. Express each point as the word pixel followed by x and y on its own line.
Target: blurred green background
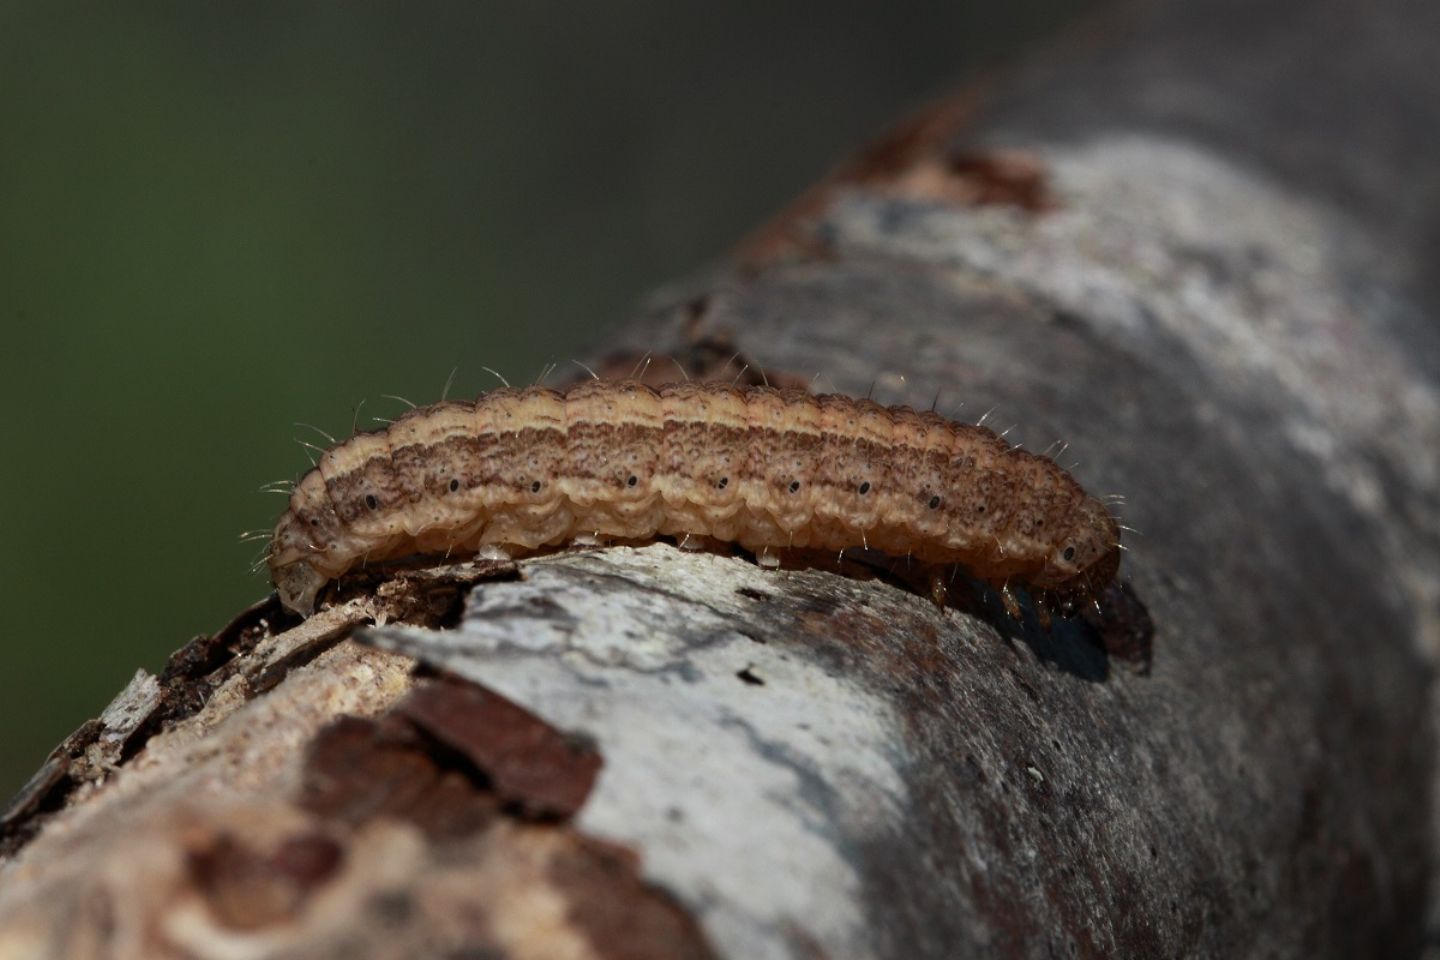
pixel 216 220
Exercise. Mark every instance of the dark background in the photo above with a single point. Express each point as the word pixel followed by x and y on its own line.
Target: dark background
pixel 216 221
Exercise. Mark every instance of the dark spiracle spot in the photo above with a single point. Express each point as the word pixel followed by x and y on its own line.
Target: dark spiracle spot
pixel 632 480
pixel 723 483
pixel 934 503
pixel 535 487
pixel 314 521
pixel 794 486
pixel 864 488
pixel 1069 553
pixel 454 485
pixel 979 508
pixel 371 502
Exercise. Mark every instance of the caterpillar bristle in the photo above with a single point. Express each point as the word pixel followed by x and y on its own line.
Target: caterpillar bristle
pixel 497 375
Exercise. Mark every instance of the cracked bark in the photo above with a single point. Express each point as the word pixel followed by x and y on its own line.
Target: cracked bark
pixel 1185 244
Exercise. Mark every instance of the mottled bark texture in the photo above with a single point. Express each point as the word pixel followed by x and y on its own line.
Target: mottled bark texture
pixel 1193 245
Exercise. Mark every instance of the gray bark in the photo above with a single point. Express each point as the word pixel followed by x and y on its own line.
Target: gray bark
pixel 1194 248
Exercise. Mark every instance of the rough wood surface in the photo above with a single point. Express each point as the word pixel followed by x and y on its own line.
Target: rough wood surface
pixel 1138 246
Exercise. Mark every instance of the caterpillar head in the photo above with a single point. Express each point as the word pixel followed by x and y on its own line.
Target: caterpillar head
pixel 1086 555
pixel 298 584
pixel 304 534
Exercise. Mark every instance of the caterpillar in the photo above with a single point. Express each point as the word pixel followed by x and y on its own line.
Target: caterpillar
pixel 768 469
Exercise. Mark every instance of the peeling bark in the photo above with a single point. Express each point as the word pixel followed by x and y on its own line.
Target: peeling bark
pixel 1138 246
